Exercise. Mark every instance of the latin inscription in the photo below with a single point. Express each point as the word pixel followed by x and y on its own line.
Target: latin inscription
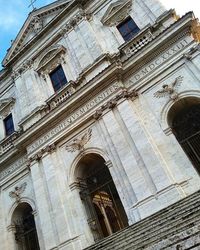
pixel 158 61
pixel 72 118
pixel 13 167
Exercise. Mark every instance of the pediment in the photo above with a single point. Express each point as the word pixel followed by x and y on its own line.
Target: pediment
pixel 34 24
pixel 117 12
pixel 50 58
pixel 6 106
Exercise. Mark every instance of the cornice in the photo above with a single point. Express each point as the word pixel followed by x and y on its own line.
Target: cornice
pixel 78 17
pixel 115 71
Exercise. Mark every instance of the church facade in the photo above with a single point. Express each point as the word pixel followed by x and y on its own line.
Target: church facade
pixel 100 121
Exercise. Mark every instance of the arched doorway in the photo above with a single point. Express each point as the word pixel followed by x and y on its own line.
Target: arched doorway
pixel 25 229
pixel 184 119
pixel 104 208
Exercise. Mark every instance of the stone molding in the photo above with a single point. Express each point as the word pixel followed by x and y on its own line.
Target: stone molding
pixel 6 106
pixel 74 21
pixel 117 12
pixel 124 94
pixel 33 23
pixel 38 156
pixel 50 59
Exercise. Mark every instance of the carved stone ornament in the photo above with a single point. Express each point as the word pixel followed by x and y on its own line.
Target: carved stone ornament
pixel 6 106
pixel 50 59
pixel 117 12
pixel 170 89
pixel 16 194
pixel 79 143
pixel 36 24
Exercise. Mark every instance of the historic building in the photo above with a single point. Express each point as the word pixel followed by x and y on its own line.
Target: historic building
pixel 100 121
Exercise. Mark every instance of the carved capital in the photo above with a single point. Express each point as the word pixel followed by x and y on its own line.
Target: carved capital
pixel 111 104
pixel 98 113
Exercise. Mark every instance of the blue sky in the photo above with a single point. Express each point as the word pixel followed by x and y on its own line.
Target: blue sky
pixel 13 13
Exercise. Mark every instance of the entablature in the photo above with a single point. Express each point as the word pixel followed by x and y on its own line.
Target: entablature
pixel 121 66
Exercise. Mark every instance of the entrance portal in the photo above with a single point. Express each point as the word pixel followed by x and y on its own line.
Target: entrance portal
pixel 185 123
pixel 105 211
pixel 26 235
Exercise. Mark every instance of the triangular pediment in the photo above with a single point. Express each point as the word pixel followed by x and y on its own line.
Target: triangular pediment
pixel 37 20
pixel 116 12
pixel 6 105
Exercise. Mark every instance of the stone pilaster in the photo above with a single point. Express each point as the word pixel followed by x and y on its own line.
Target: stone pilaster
pixel 48 237
pixel 119 175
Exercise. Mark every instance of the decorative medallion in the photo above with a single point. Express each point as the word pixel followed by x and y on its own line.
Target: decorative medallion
pixel 170 89
pixel 36 24
pixel 79 143
pixel 16 194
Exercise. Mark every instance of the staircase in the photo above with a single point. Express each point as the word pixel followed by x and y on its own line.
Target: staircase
pixel 176 227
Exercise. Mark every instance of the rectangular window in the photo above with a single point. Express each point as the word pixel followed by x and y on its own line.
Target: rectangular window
pixel 128 29
pixel 9 125
pixel 58 78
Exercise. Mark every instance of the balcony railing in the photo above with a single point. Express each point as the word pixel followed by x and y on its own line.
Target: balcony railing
pixel 61 96
pixel 7 143
pixel 137 43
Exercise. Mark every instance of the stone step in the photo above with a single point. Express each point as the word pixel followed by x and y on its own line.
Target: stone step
pixel 158 219
pixel 162 225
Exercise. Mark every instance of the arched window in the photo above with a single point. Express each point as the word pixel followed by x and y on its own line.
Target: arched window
pixel 25 230
pixel 104 209
pixel 185 123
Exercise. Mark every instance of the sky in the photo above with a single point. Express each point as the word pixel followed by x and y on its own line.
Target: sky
pixel 13 13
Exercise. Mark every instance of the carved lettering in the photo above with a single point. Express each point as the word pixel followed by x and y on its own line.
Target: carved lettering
pixel 158 61
pixel 9 170
pixel 72 118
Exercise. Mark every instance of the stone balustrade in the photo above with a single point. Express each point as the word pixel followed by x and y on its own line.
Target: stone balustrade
pixel 137 43
pixel 7 143
pixel 61 96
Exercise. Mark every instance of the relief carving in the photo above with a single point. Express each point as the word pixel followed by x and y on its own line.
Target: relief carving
pixel 170 89
pixel 79 143
pixel 16 194
pixel 36 24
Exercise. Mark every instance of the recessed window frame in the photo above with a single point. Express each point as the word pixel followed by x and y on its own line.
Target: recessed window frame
pixel 9 125
pixel 58 78
pixel 128 29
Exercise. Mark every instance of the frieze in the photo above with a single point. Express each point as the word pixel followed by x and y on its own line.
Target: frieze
pixel 153 65
pixel 74 117
pixel 111 104
pixel 12 168
pixel 38 156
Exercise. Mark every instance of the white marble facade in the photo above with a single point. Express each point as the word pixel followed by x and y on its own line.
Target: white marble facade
pixel 111 92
